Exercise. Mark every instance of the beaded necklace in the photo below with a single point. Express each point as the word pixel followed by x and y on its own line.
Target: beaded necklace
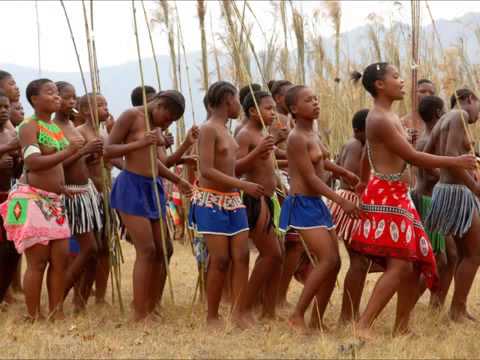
pixel 50 135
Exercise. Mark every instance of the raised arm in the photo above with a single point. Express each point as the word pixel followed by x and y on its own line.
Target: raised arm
pixel 176 157
pixel 34 160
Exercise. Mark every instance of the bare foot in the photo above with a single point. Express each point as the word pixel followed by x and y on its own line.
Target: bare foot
pixel 297 323
pixel 460 316
pixel 403 332
pixel 10 298
pixel 215 323
pixel 57 315
pixel 244 320
pixel 364 334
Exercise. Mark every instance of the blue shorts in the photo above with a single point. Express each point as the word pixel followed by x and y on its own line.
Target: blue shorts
pixel 217 213
pixel 305 212
pixel 134 194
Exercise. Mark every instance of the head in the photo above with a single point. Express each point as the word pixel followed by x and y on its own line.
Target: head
pixel 279 90
pixel 68 98
pixel 42 94
pixel 165 107
pixel 16 113
pixel 205 104
pixel 102 107
pixel 224 94
pixel 424 88
pixel 431 108
pixel 244 91
pixel 270 85
pixel 468 101
pixel 9 86
pixel 4 109
pixel 302 103
pixel 137 95
pixel 382 79
pixel 265 103
pixel 359 121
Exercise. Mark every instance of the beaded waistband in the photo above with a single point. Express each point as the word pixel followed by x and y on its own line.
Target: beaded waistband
pixel 209 198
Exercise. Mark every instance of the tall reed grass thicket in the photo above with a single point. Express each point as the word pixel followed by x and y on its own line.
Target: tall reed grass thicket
pixel 294 49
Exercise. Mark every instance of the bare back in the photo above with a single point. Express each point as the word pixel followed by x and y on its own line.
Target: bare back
pixel 384 161
pixel 350 159
pixel 452 141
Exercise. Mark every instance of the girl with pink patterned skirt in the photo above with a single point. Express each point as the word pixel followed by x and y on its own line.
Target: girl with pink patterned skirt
pixel 34 214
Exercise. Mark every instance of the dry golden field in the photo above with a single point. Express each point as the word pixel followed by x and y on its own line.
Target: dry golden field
pixel 106 333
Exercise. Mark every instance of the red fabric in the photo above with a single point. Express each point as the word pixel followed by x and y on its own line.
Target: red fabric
pixel 345 226
pixel 390 227
pixel 3 233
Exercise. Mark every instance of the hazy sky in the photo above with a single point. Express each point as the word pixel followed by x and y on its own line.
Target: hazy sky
pixel 114 27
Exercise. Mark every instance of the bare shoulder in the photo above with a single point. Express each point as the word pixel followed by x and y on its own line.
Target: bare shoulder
pixel 244 136
pixel 208 129
pixel 296 139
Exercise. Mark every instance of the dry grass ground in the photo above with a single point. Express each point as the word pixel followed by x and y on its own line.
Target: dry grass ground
pixel 105 332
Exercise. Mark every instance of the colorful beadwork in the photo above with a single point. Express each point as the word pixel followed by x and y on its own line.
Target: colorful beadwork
pixel 49 134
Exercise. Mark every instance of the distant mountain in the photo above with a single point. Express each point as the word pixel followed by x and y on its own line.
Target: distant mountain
pixel 118 81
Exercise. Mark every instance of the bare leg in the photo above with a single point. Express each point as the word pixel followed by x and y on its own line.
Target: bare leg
pixel 446 263
pixel 408 294
pixel 466 271
pixel 87 254
pixel 56 277
pixel 37 259
pixel 324 247
pixel 353 286
pixel 102 270
pixel 218 249
pixel 17 279
pixel 240 259
pixel 268 262
pixel 140 230
pixel 160 268
pixel 8 266
pixel 293 253
pixel 387 285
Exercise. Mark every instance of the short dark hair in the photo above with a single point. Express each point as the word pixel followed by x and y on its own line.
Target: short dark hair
pixel 4 75
pixel 372 73
pixel 249 102
pixel 34 87
pixel 137 94
pixel 429 107
pixel 244 91
pixel 173 101
pixel 461 94
pixel 62 85
pixel 85 99
pixel 359 119
pixel 291 97
pixel 424 81
pixel 217 91
pixel 270 84
pixel 278 85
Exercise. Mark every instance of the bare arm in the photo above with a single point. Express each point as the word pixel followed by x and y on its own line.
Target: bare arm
pixel 176 157
pixel 39 162
pixel 298 146
pixel 206 149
